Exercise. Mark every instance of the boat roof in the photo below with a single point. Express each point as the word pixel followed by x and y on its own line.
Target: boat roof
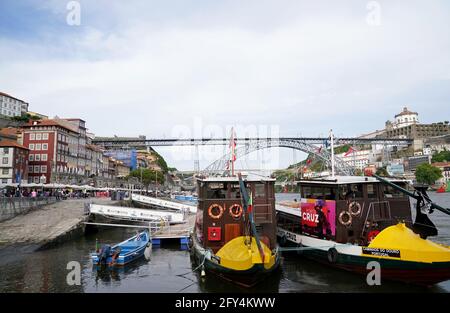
pixel 336 180
pixel 246 178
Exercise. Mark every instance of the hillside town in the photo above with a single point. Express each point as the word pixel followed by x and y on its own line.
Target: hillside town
pixel 429 139
pixel 37 149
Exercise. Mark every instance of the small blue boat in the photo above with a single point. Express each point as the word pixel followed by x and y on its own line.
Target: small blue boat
pixel 124 252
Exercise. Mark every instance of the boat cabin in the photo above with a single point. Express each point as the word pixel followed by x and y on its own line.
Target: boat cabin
pixel 220 217
pixel 346 209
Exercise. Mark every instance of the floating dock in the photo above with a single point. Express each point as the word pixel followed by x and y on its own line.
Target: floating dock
pixel 165 204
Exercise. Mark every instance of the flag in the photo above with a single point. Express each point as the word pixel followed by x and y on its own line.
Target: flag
pixel 319 150
pixel 250 203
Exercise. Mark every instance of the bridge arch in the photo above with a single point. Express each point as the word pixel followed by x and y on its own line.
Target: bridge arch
pixel 341 167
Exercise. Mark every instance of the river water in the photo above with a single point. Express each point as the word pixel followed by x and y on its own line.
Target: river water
pixel 170 269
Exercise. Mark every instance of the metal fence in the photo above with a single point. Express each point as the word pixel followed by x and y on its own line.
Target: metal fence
pixel 11 207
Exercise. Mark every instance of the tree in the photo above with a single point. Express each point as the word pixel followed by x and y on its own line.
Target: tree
pixel 148 176
pixel 443 156
pixel 382 172
pixel 427 174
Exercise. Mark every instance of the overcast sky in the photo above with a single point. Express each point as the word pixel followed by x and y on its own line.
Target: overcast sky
pixel 196 68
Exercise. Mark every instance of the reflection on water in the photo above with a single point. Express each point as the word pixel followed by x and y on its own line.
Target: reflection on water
pixel 170 269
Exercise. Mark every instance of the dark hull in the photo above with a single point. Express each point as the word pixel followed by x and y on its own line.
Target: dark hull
pixel 418 273
pixel 247 278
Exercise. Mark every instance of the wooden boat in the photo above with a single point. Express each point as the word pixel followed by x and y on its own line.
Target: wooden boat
pixel 234 236
pixel 123 253
pixel 347 222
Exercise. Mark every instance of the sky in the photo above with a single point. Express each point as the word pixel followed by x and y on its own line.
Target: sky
pixel 181 68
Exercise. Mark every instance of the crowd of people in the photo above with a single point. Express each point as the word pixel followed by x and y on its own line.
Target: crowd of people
pixel 59 194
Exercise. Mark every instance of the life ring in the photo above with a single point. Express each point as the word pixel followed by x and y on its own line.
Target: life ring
pixel 352 206
pixel 332 255
pixel 371 235
pixel 210 211
pixel 341 218
pixel 237 214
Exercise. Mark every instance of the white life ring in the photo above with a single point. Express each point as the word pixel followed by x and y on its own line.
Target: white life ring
pixel 352 206
pixel 341 218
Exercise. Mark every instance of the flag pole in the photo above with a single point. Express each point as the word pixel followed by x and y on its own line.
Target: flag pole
pixel 332 153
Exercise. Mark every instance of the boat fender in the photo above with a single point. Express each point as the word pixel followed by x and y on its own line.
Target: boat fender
pixel 352 206
pixel 332 255
pixel 345 215
pixel 210 211
pixel 236 210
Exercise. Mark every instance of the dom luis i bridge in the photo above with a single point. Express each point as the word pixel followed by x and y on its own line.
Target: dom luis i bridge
pixel 309 145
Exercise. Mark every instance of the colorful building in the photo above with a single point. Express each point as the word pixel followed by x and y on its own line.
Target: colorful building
pixel 13 162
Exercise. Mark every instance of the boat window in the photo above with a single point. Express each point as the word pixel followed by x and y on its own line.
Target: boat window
pixel 216 191
pixel 235 191
pixel 289 223
pixel 354 191
pixel 371 191
pixel 330 193
pixel 260 190
pixel 306 192
pixel 390 192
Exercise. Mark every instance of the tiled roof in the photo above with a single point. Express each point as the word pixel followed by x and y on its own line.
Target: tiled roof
pixel 9 96
pixel 50 122
pixel 10 143
pixel 405 112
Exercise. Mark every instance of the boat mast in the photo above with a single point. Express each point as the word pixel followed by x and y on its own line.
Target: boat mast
pixel 332 153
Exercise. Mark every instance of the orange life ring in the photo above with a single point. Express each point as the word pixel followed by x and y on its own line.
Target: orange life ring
pixel 238 214
pixel 371 235
pixel 210 211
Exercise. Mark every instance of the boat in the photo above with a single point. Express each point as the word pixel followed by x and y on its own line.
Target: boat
pixel 123 253
pixel 234 236
pixel 349 221
pixel 442 189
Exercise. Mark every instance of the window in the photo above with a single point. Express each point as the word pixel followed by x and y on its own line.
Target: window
pixel 36 179
pixel 371 191
pixel 38 146
pixel 39 136
pixel 31 146
pixel 5 171
pixel 33 136
pixel 216 191
pixel 390 192
pixel 36 169
pixel 354 191
pixel 30 169
pixel 45 146
pixel 45 136
pixel 31 157
pixel 37 157
pixel 43 157
pixel 44 169
pixel 5 161
pixel 5 150
pixel 4 181
pixel 260 190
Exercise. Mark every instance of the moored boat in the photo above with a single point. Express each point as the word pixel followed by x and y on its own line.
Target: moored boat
pixel 348 222
pixel 123 253
pixel 234 236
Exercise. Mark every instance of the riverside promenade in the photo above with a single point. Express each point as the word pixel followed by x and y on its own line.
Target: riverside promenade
pixel 49 225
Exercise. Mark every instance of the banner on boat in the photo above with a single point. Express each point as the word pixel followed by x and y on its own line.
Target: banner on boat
pixel 318 217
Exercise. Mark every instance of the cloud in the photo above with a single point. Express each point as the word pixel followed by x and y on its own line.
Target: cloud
pixel 146 67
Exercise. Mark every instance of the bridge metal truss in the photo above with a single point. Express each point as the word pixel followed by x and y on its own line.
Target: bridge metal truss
pixel 341 166
pixel 141 143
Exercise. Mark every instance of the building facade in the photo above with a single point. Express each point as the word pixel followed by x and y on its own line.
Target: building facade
pixel 48 144
pixel 14 162
pixel 11 106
